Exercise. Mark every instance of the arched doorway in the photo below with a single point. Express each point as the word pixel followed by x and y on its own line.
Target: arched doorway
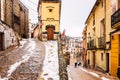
pixel 50 32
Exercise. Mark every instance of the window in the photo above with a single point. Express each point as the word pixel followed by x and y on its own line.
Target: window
pixel 101 56
pixel 102 28
pixel 102 3
pixel 94 31
pixel 16 19
pixel 50 10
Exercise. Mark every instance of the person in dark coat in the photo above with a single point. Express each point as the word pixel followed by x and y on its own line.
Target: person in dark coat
pixel 79 63
pixel 75 64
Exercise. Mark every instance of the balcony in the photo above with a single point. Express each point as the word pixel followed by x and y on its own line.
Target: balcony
pixel 115 19
pixel 91 45
pixel 101 42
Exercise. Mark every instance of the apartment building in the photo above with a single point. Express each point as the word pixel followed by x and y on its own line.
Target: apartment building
pixel 98 26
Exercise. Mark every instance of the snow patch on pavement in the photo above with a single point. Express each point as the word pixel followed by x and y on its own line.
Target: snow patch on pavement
pixel 22 43
pixel 68 70
pixel 24 58
pixel 51 65
pixel 94 74
pixel 3 78
pixel 84 70
pixel 103 78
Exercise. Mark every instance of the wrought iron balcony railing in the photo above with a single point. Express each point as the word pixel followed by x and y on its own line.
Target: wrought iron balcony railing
pixel 91 44
pixel 101 42
pixel 115 19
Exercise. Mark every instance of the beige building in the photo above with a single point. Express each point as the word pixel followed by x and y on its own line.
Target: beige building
pixel 15 14
pixel 49 18
pixel 98 35
pixel 37 32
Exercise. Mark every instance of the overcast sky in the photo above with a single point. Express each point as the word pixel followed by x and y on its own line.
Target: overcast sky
pixel 73 14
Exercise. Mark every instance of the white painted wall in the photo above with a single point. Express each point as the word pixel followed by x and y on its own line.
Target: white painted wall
pixel 10 38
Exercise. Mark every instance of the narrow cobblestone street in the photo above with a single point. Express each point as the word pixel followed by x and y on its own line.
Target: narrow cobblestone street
pixel 23 62
pixel 81 73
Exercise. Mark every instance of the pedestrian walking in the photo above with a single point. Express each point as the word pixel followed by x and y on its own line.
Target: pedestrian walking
pixel 79 63
pixel 75 64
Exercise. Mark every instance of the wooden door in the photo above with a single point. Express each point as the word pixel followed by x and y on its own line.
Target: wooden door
pixel 50 33
pixel 93 59
pixel 1 41
pixel 107 62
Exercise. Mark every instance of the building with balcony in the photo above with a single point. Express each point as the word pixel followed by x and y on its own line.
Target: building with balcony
pixel 115 37
pixel 97 35
pixel 49 16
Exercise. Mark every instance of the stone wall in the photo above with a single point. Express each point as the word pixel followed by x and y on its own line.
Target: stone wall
pixel 15 14
pixel 9 36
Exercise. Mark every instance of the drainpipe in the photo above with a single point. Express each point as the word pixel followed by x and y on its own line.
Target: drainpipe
pixel 105 24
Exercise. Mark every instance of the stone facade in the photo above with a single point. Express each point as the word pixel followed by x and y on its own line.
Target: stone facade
pixel 15 14
pixel 9 37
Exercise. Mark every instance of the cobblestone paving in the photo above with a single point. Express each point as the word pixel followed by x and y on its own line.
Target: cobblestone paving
pixel 27 60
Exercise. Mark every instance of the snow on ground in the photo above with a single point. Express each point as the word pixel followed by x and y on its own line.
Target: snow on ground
pixel 13 67
pixel 94 74
pixel 68 70
pixel 22 42
pixel 24 58
pixel 103 78
pixel 51 65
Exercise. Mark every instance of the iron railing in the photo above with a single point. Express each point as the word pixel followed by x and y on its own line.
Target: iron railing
pixel 91 44
pixel 115 18
pixel 101 42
